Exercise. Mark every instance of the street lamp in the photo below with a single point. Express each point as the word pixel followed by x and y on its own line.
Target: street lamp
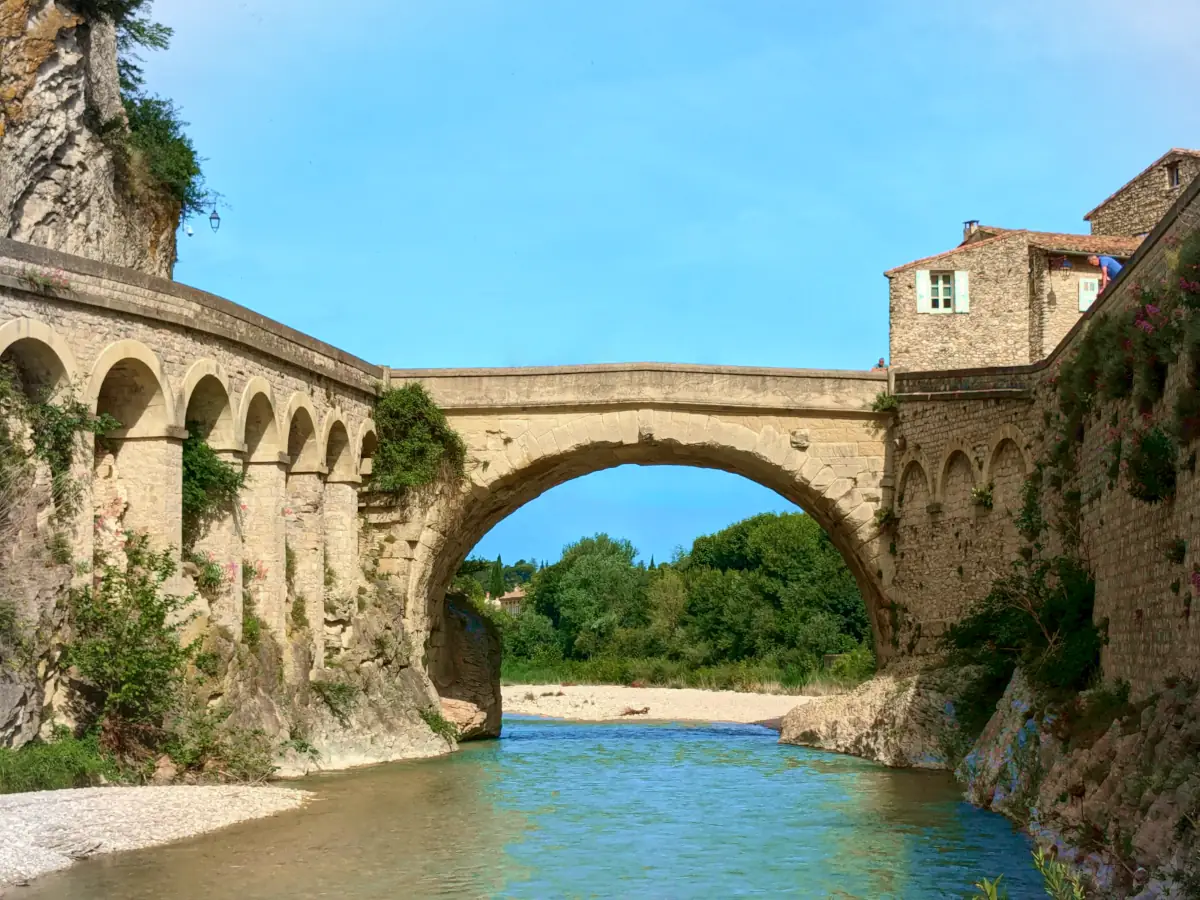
pixel 214 220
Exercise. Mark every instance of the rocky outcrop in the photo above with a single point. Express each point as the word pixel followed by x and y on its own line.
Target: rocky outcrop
pixel 1114 786
pixel 62 185
pixel 898 720
pixel 465 669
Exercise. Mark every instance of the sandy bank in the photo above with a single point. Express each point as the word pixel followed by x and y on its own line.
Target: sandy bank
pixel 599 702
pixel 44 831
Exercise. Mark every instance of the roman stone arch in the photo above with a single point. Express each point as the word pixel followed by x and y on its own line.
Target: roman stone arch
pixel 304 446
pixel 913 492
pixel 204 400
pixel 367 444
pixel 1008 464
pixel 257 424
pixel 1006 434
pixel 511 462
pixel 336 450
pixel 959 476
pixel 43 359
pixel 128 383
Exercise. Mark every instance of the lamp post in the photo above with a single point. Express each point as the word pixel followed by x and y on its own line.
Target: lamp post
pixel 214 220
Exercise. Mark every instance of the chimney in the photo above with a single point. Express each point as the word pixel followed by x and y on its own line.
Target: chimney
pixel 969 228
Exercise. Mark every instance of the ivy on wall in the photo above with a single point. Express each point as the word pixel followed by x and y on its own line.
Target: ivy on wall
pixel 417 446
pixel 210 486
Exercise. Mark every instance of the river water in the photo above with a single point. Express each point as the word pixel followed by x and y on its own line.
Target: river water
pixel 558 809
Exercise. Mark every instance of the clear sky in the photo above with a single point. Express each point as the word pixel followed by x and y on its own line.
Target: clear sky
pixel 527 182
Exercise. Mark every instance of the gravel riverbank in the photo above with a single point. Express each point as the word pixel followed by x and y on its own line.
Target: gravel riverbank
pixel 603 702
pixel 44 831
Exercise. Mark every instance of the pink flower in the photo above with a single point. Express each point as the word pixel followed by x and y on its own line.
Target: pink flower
pixel 1195 579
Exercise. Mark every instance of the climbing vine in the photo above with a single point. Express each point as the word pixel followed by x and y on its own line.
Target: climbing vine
pixel 1125 357
pixel 210 486
pixel 417 446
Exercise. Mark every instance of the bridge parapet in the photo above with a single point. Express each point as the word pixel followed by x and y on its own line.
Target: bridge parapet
pixel 650 385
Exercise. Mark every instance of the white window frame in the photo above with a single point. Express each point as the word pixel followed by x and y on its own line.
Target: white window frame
pixel 1089 290
pixel 941 284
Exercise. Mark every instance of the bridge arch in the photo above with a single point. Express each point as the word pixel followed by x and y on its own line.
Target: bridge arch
pixel 822 449
pixel 44 358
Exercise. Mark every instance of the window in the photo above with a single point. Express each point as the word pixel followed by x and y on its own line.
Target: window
pixel 1173 175
pixel 941 290
pixel 1089 287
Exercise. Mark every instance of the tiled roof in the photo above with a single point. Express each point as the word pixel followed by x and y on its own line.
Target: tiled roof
pixel 1174 151
pixel 1044 240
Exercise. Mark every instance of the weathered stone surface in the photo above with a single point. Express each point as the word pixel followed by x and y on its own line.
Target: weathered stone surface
pixel 898 720
pixel 465 670
pixel 61 185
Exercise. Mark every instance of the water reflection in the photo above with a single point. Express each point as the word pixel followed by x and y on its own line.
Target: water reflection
pixel 570 810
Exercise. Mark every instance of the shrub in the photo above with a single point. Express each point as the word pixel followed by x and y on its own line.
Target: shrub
pixel 62 762
pixel 439 724
pixel 1176 550
pixel 1038 617
pixel 1152 466
pixel 299 614
pixel 417 446
pixel 55 426
pixel 855 666
pixel 210 485
pixel 981 495
pixel 885 402
pixel 338 696
pixel 887 519
pixel 125 639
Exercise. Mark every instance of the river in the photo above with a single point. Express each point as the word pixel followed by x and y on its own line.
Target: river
pixel 557 809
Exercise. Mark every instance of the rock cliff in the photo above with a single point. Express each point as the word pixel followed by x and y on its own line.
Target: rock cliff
pixel 62 185
pixel 1114 787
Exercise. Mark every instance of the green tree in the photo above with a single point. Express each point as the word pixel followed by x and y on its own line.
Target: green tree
pixel 417 446
pixel 496 587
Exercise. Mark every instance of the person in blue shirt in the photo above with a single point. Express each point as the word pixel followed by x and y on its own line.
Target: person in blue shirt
pixel 1109 268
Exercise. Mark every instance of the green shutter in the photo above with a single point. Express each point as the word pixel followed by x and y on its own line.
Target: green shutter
pixel 962 292
pixel 923 291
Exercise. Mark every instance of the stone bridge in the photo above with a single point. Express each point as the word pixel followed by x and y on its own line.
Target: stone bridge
pixel 296 414
pixel 809 435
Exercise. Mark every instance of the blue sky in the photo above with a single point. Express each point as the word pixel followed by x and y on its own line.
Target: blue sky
pixel 477 182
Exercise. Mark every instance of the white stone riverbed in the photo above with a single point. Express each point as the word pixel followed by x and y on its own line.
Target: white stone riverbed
pixel 44 831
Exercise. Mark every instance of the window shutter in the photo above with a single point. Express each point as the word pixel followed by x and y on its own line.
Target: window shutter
pixel 1088 289
pixel 962 296
pixel 923 291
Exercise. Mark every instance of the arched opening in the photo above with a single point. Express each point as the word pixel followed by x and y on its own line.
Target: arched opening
pixel 339 459
pixel 135 486
pixel 957 482
pixel 209 413
pixel 38 370
pixel 211 471
pixel 260 510
pixel 757 594
pixel 368 444
pixel 31 372
pixel 304 547
pixel 131 393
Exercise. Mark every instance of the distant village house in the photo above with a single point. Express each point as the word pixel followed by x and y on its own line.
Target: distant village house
pixel 1007 296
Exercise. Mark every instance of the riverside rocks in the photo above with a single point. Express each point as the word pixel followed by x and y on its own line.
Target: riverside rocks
pixel 898 720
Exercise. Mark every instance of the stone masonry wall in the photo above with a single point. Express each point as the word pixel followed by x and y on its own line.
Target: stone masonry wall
pixel 1138 206
pixel 996 330
pixel 1055 299
pixel 1145 598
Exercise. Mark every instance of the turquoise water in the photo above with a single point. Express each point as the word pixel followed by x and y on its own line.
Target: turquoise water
pixel 558 809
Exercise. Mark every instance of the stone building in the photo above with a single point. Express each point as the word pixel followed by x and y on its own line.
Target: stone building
pixel 1008 296
pixel 1137 207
